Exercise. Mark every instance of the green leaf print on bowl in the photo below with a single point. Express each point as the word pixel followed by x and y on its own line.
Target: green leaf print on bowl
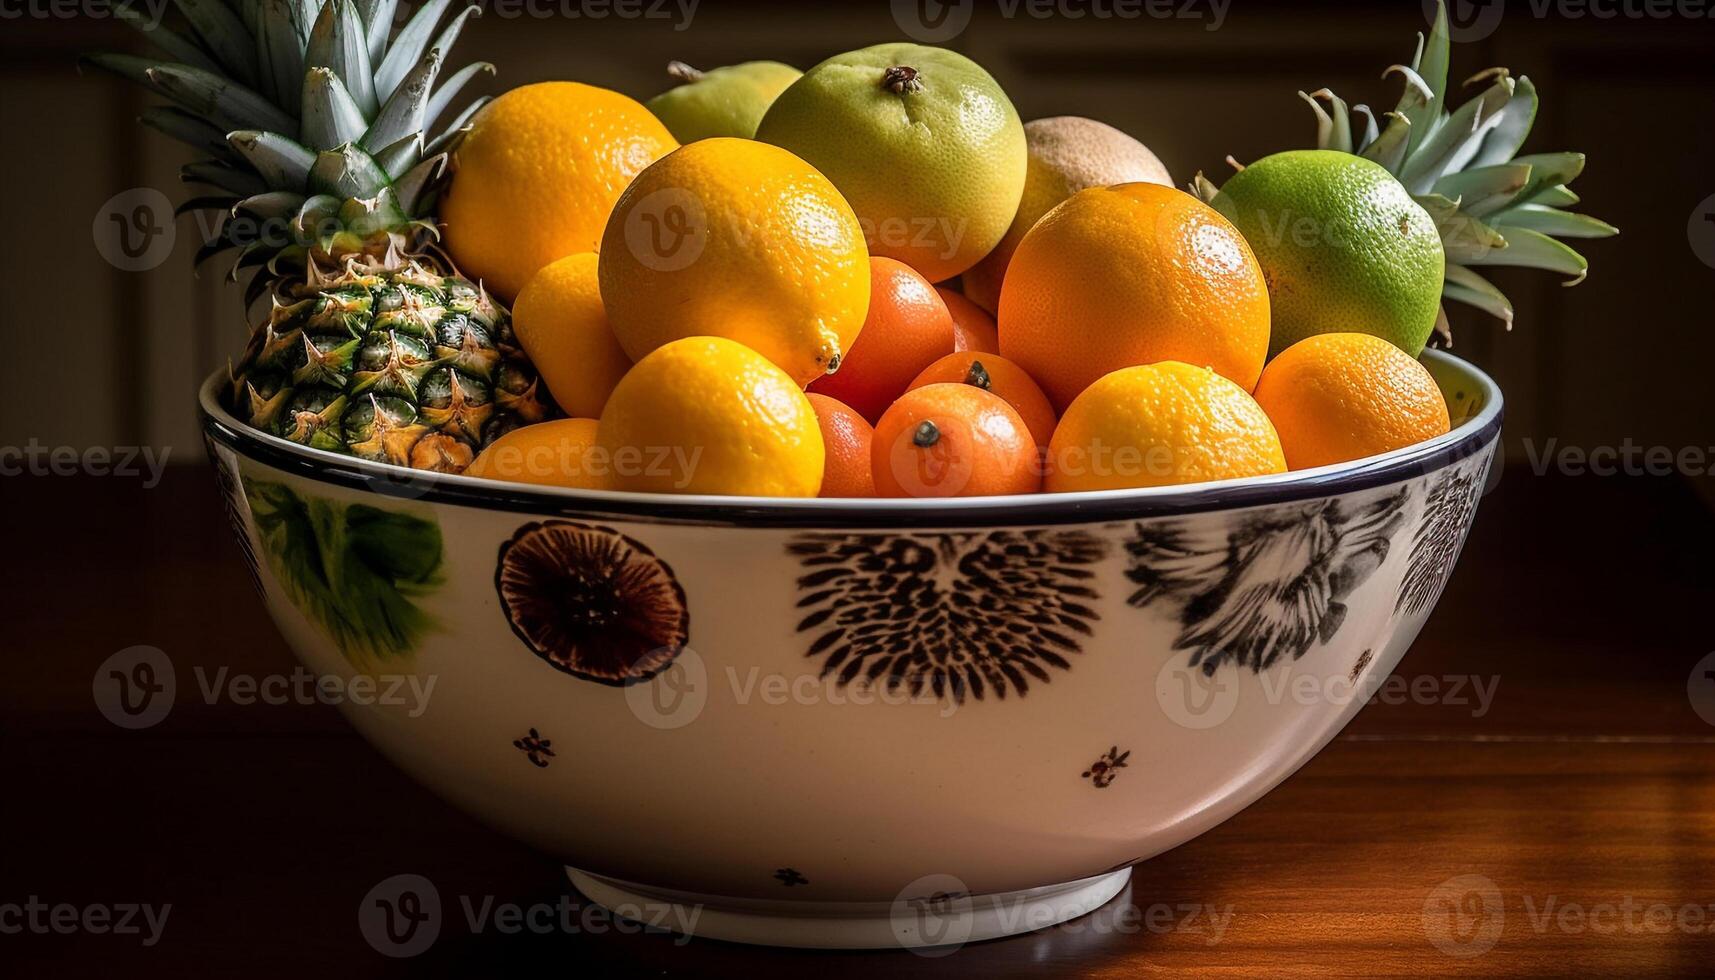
pixel 353 569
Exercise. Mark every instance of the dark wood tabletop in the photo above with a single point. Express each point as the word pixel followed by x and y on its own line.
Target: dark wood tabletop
pixel 1534 795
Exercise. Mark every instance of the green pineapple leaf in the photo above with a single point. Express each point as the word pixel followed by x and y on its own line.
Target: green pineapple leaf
pixel 1461 164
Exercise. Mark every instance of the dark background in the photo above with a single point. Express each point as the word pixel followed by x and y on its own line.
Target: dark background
pixel 1585 595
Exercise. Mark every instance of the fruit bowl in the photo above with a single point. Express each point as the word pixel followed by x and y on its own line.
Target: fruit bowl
pixel 855 723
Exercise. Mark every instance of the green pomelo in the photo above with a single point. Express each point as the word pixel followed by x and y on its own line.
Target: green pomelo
pixel 1342 244
pixel 920 140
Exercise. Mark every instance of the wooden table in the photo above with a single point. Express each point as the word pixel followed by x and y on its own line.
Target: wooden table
pixel 1567 826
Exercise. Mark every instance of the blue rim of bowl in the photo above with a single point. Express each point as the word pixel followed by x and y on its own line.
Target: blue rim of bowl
pixel 1470 435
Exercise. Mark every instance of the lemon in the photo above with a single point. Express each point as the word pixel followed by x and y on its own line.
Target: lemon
pixel 710 415
pixel 738 239
pixel 1342 244
pixel 561 323
pixel 538 173
pixel 921 140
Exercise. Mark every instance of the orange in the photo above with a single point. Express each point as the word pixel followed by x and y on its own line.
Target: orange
pixel 561 323
pixel 908 326
pixel 536 176
pixel 953 440
pixel 1336 397
pixel 556 453
pixel 737 239
pixel 1157 425
pixel 991 372
pixel 973 328
pixel 710 415
pixel 1132 274
pixel 847 439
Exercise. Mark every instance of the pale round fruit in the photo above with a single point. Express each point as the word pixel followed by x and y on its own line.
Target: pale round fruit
pixel 921 141
pixel 709 415
pixel 1343 245
pixel 538 173
pixel 560 321
pixel 1159 425
pixel 738 239
pixel 1067 154
pixel 726 101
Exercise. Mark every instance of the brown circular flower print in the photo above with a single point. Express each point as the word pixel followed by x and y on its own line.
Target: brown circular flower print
pixel 591 601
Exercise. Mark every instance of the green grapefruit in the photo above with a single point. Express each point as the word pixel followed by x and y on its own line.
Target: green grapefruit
pixel 726 101
pixel 920 140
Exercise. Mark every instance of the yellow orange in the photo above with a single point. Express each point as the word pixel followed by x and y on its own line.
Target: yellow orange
pixel 1157 425
pixel 556 453
pixel 737 239
pixel 537 175
pixel 561 323
pixel 1132 274
pixel 1335 397
pixel 710 415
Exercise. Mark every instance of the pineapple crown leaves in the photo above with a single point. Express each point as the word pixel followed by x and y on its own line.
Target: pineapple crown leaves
pixel 1491 206
pixel 315 116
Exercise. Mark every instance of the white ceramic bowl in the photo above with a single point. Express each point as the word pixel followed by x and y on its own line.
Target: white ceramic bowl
pixel 674 695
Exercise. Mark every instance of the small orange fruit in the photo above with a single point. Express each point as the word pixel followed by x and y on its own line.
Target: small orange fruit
pixel 953 440
pixel 556 454
pixel 561 323
pixel 991 372
pixel 1132 274
pixel 973 328
pixel 1336 397
pixel 846 438
pixel 908 326
pixel 1160 424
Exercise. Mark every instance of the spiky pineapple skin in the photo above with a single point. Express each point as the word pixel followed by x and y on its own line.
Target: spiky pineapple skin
pixel 394 359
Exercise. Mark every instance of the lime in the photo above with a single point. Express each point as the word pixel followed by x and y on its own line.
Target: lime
pixel 1342 244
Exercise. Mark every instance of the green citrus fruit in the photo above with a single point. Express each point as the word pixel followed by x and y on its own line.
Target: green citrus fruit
pixel 1342 244
pixel 921 141
pixel 726 101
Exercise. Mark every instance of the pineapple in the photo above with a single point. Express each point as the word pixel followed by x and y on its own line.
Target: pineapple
pixel 1491 207
pixel 317 119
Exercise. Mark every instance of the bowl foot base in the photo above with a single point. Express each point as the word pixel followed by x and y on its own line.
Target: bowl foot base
pixel 912 922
